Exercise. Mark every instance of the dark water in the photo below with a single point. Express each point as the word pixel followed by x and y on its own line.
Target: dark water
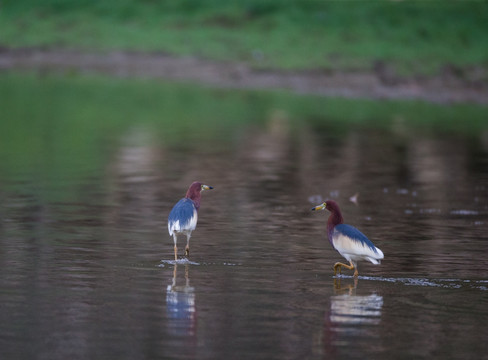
pixel 86 261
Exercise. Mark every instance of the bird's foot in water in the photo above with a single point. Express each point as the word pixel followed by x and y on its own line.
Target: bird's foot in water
pixel 337 266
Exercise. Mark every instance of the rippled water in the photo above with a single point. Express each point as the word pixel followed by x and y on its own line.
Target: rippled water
pixel 87 263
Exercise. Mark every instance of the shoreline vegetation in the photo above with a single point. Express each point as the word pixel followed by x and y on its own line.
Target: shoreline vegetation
pixel 444 88
pixel 428 50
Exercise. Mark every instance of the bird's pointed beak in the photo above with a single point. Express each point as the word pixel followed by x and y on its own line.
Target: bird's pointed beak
pixel 319 207
pixel 206 187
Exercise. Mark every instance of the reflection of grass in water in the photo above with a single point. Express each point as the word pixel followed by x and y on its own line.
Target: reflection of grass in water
pixel 54 127
pixel 76 116
pixel 416 115
pixel 416 37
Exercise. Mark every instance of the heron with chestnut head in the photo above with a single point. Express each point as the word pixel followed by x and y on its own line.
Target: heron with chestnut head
pixel 351 243
pixel 182 219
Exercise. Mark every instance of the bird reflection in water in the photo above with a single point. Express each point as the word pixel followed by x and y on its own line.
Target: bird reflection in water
pixel 348 308
pixel 180 305
pixel 351 317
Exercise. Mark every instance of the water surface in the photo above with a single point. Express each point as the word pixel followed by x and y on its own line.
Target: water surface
pixel 90 169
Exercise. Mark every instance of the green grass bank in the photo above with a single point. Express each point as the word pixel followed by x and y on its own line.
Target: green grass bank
pixel 412 37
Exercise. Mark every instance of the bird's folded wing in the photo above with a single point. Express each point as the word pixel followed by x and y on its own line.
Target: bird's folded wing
pixel 183 217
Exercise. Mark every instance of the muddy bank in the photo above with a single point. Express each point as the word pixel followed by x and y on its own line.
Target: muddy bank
pixel 449 87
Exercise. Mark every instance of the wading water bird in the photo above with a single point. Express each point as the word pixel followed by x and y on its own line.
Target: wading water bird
pixel 347 240
pixel 184 216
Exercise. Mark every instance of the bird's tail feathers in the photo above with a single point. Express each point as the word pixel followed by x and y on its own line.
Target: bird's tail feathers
pixel 374 261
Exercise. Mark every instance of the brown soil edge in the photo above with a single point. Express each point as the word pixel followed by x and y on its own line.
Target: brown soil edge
pixel 377 84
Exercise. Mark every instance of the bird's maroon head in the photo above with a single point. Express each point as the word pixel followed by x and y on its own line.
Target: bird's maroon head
pixel 332 206
pixel 335 212
pixel 194 192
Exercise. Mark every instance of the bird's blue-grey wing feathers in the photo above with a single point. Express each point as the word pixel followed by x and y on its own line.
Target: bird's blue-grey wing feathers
pixel 351 242
pixel 183 217
pixel 355 235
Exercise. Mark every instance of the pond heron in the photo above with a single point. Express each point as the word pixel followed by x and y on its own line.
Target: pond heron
pixel 184 216
pixel 347 240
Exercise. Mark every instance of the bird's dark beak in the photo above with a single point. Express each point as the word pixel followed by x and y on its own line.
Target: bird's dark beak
pixel 206 187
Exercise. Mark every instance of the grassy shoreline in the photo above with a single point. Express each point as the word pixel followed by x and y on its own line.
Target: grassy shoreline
pixel 411 38
pixel 447 88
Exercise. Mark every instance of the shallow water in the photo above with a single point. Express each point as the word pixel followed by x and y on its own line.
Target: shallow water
pixel 87 265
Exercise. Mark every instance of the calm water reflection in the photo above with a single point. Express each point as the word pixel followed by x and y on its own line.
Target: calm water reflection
pixel 180 305
pixel 348 308
pixel 86 262
pixel 352 318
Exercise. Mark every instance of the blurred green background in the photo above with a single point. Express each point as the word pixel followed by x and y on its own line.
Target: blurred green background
pixel 54 128
pixel 93 158
pixel 413 37
pixel 52 121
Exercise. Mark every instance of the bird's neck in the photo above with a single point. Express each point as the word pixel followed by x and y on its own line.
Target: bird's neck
pixel 335 219
pixel 195 196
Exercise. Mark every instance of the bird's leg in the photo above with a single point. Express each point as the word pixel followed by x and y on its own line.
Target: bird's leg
pixel 339 265
pixel 187 247
pixel 356 273
pixel 176 248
